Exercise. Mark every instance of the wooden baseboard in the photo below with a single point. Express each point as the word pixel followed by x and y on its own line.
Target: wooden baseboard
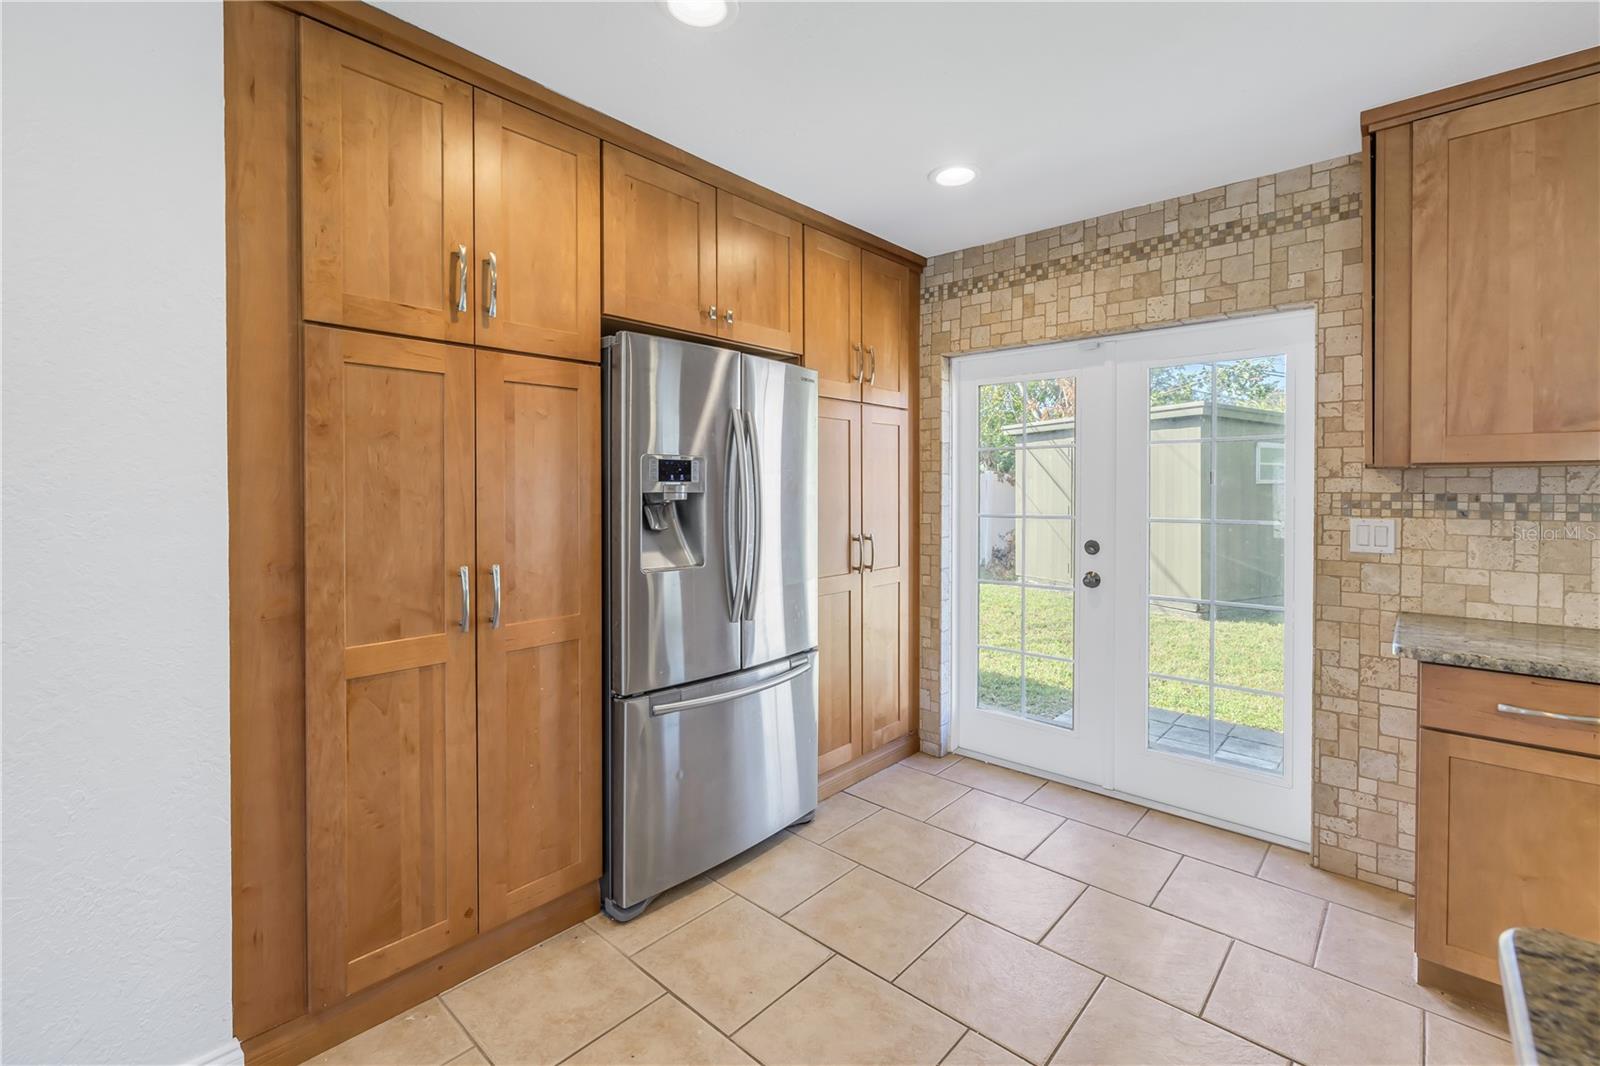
pixel 842 777
pixel 1466 985
pixel 296 1041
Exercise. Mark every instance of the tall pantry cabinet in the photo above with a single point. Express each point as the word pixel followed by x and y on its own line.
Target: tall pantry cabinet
pixel 452 510
pixel 860 337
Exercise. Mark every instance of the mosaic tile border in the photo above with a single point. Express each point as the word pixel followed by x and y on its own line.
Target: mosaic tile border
pixel 1520 506
pixel 1237 231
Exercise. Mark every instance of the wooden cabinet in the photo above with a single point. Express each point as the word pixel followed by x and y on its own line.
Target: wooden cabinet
pixel 760 264
pixel 536 214
pixel 452 645
pixel 839 651
pixel 391 785
pixel 861 322
pixel 660 244
pixel 685 255
pixel 888 330
pixel 385 189
pixel 866 633
pixel 1486 219
pixel 833 314
pixel 888 632
pixel 1508 834
pixel 538 575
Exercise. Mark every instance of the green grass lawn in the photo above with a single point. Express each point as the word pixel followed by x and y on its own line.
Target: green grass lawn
pixel 1249 650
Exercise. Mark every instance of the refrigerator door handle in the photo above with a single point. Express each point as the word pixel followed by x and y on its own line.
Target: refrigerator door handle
pixel 733 517
pixel 753 559
pixel 738 693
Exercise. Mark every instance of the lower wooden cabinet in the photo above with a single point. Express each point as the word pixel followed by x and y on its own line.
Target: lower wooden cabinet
pixel 391 713
pixel 1508 833
pixel 866 638
pixel 452 646
pixel 539 697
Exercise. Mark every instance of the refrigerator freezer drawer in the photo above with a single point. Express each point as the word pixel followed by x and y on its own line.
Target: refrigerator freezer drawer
pixel 700 773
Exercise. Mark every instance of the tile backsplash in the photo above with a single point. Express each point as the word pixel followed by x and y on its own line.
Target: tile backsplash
pixel 1518 543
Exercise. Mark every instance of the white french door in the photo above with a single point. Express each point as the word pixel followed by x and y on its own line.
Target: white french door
pixel 1133 539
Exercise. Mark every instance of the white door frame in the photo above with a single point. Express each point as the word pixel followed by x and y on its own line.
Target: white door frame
pixel 1291 333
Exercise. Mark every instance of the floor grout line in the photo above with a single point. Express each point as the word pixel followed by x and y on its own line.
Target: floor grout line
pixel 471 1036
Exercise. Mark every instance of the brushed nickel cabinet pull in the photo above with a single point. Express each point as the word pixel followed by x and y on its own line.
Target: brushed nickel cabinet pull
pixel 494 607
pixel 466 599
pixel 494 285
pixel 461 278
pixel 1529 712
pixel 872 560
pixel 861 365
pixel 872 373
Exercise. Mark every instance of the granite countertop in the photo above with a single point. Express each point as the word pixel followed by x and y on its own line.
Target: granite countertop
pixel 1561 652
pixel 1552 1005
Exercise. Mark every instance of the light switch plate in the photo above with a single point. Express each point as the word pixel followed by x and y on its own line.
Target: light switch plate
pixel 1373 536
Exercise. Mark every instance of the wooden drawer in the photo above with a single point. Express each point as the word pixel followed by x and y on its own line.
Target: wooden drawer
pixel 1459 700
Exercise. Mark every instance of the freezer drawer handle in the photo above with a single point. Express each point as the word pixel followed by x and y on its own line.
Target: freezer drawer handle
pixel 738 693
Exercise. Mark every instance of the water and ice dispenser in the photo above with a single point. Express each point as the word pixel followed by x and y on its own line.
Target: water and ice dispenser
pixel 673 512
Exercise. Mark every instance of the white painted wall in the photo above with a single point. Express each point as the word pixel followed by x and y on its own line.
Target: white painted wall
pixel 115 642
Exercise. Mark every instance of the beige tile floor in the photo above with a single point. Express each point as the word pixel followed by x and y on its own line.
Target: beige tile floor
pixel 946 911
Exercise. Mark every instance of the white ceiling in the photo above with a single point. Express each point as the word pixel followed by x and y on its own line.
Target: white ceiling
pixel 1067 110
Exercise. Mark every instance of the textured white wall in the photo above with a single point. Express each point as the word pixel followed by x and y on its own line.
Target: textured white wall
pixel 115 652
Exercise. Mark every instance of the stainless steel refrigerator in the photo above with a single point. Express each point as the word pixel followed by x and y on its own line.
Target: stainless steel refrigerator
pixel 711 587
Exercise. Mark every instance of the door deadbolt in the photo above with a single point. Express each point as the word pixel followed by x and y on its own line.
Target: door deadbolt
pixel 1092 547
pixel 1091 580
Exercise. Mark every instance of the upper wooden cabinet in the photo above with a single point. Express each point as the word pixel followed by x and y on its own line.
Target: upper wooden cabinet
pixel 660 244
pixel 759 275
pixel 833 315
pixel 386 190
pixel 1485 339
pixel 536 209
pixel 888 330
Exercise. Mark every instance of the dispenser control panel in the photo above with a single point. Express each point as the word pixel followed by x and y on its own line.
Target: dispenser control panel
pixel 673 474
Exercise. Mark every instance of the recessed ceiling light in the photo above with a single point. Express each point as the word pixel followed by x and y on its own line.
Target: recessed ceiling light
pixel 953 175
pixel 701 14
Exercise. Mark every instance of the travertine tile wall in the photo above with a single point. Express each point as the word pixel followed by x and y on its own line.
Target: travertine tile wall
pixel 1517 543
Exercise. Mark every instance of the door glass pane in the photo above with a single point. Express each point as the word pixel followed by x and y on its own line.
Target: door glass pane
pixel 1180 559
pixel 1049 622
pixel 1217 507
pixel 1048 694
pixel 1000 616
pixel 1180 640
pixel 1047 479
pixel 1180 479
pixel 1047 551
pixel 1249 480
pixel 1026 459
pixel 997 549
pixel 1000 681
pixel 1250 564
pixel 1250 397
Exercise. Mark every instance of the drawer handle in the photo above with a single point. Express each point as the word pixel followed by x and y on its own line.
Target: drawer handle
pixel 738 693
pixel 1529 712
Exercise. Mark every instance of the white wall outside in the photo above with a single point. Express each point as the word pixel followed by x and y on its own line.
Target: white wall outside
pixel 115 748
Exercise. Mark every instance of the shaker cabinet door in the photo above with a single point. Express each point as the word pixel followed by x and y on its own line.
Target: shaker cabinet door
pixel 839 725
pixel 888 333
pixel 760 266
pixel 537 222
pixel 888 671
pixel 538 629
pixel 386 190
pixel 1505 327
pixel 391 784
pixel 660 243
pixel 833 315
